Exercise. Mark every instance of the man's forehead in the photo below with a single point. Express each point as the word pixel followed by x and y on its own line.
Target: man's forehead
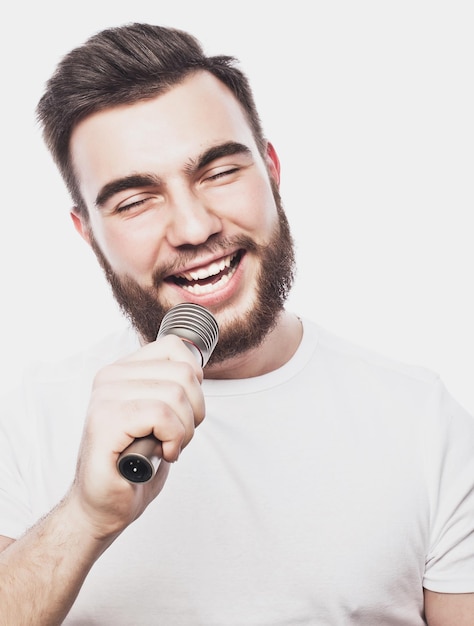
pixel 198 87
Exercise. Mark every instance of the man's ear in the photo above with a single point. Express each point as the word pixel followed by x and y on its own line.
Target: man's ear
pixel 273 163
pixel 81 224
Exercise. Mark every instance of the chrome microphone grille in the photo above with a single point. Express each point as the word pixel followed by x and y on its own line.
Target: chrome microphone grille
pixel 192 323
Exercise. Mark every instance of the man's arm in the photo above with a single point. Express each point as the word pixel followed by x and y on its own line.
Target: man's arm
pixel 5 542
pixel 449 609
pixel 155 390
pixel 42 573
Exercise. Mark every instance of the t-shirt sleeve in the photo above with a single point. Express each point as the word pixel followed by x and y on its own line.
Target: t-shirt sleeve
pixel 449 463
pixel 15 510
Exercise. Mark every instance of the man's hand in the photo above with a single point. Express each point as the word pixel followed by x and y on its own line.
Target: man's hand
pixel 156 390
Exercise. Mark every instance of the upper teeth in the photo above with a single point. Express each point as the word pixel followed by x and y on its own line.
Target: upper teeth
pixel 211 270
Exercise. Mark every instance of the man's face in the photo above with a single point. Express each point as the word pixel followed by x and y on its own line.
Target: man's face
pixel 183 208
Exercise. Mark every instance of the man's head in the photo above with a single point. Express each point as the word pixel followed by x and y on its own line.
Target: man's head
pixel 122 65
pixel 175 186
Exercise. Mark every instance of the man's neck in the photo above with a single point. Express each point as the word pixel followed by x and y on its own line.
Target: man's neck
pixel 277 349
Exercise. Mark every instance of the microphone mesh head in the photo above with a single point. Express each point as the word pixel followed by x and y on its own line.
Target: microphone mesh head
pixel 193 323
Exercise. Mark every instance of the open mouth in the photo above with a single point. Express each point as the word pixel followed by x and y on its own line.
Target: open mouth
pixel 209 278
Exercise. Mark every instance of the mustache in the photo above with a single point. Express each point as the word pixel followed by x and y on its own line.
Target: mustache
pixel 188 253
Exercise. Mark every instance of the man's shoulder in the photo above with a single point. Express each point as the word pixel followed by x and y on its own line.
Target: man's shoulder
pixel 351 355
pixel 106 350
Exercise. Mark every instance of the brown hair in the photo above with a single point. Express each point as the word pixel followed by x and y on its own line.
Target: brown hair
pixel 122 65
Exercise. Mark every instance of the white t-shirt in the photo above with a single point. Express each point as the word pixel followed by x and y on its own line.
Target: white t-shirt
pixel 328 492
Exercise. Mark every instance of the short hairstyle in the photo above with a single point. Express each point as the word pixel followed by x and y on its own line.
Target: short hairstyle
pixel 122 65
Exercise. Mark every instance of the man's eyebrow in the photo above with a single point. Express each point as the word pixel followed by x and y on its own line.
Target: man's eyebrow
pixel 216 152
pixel 122 184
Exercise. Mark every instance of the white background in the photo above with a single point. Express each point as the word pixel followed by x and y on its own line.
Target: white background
pixel 370 106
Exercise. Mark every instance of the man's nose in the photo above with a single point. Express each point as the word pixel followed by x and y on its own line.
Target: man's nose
pixel 191 219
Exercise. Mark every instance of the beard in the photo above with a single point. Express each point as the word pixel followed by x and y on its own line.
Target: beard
pixel 241 333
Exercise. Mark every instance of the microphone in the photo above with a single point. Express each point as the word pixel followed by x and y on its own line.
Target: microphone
pixel 198 328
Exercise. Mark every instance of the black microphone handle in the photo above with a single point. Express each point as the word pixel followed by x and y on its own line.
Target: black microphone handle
pixel 197 327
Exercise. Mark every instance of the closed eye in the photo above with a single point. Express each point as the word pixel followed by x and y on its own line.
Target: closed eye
pixel 222 174
pixel 136 205
pixel 132 205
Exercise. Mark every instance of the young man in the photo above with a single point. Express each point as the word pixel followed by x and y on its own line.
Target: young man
pixel 327 485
